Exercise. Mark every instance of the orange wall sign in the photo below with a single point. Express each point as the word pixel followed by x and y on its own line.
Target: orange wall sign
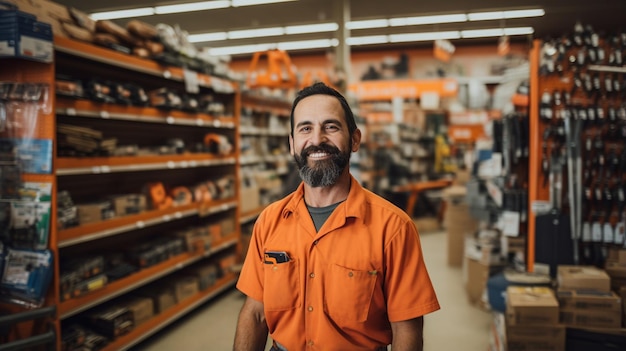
pixel 388 89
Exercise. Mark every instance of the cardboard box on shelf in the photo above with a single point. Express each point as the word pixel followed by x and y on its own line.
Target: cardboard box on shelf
pixel 162 296
pixel 141 307
pixel 128 204
pixel 622 294
pixel 591 318
pixel 531 305
pixel 185 287
pixel 617 273
pixel 228 225
pixel 589 300
pixel 249 198
pixel 94 212
pixel 582 277
pixel 46 11
pixel 617 255
pixel 535 338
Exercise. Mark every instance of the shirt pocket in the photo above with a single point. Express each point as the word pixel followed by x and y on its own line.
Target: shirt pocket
pixel 349 293
pixel 281 286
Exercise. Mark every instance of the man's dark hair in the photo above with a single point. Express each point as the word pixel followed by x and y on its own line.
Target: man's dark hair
pixel 320 88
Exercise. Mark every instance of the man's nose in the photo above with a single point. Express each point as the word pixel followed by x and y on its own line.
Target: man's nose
pixel 318 136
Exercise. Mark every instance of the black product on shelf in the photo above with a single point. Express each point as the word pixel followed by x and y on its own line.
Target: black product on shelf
pixel 67 212
pixel 98 91
pixel 146 255
pixel 72 337
pixel 94 342
pixel 120 271
pixel 111 321
pixel 138 95
pixel 165 98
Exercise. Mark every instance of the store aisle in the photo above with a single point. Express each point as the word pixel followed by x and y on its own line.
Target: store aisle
pixel 457 326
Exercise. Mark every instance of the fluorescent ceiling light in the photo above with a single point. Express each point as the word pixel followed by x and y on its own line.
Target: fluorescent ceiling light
pixel 519 31
pixel 241 49
pixel 255 33
pixel 398 38
pixel 192 6
pixel 138 12
pixel 236 3
pixel 368 40
pixel 414 21
pixel 482 33
pixel 497 15
pixel 375 23
pixel 496 32
pixel 204 37
pixel 308 44
pixel 312 28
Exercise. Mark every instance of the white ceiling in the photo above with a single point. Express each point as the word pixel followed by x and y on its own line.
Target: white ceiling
pixel 560 17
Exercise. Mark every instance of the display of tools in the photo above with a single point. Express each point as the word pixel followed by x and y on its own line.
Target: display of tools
pixel 582 112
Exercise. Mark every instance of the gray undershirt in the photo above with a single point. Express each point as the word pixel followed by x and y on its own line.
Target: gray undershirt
pixel 321 214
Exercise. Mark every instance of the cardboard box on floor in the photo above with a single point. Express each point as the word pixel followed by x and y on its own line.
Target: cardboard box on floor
pixel 582 277
pixel 475 276
pixel 531 305
pixel 458 223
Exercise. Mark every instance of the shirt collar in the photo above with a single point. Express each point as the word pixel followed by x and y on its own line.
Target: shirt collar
pixel 354 204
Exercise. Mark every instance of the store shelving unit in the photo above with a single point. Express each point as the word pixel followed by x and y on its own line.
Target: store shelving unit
pixel 264 162
pixel 95 177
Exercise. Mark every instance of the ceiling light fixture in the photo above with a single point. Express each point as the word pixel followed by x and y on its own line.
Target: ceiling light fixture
pixel 414 21
pixel 108 15
pixel 255 33
pixel 373 39
pixel 367 24
pixel 237 3
pixel 312 28
pixel 192 6
pixel 367 40
pixel 308 44
pixel 427 36
pixel 179 8
pixel 205 37
pixel 497 15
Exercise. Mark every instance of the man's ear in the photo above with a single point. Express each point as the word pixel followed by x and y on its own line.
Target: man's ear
pixel 291 148
pixel 356 140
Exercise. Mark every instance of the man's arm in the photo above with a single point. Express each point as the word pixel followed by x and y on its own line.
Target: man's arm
pixel 251 334
pixel 408 335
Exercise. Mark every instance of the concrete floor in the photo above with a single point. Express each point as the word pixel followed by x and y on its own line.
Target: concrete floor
pixel 457 326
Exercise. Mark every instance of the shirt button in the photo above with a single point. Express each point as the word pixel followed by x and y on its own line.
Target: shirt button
pixel 312 275
pixel 310 308
pixel 310 343
pixel 350 274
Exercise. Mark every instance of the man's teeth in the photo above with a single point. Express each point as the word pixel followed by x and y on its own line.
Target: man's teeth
pixel 318 155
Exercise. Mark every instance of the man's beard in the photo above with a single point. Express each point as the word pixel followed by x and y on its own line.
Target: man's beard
pixel 323 172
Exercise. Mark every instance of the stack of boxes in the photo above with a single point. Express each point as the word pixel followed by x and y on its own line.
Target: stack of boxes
pixel 532 320
pixel 584 310
pixel 586 299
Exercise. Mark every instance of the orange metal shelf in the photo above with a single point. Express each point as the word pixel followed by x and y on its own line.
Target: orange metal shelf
pixel 135 280
pixel 116 225
pixel 76 106
pixel 162 319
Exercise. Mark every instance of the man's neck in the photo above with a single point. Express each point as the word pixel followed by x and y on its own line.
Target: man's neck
pixel 326 196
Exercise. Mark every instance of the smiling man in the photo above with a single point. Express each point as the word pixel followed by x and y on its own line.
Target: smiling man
pixel 332 266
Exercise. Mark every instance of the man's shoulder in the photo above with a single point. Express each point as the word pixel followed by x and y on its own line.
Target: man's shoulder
pixel 383 207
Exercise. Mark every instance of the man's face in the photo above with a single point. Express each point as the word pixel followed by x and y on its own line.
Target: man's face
pixel 321 143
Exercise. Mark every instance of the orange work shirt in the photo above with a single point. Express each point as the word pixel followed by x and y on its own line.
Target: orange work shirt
pixel 343 285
